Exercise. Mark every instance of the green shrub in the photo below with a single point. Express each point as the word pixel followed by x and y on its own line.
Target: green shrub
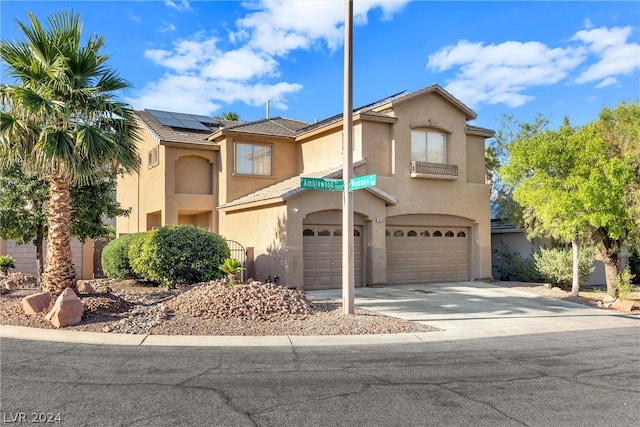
pixel 556 265
pixel 177 255
pixel 624 282
pixel 115 257
pixel 6 263
pixel 518 269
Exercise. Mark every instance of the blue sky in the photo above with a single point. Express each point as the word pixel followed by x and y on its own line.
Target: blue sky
pixel 517 58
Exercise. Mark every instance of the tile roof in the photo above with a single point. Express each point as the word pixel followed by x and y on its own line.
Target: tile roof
pixel 169 134
pixel 276 126
pixel 289 188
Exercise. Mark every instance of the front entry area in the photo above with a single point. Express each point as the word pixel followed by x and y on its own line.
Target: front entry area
pixel 427 254
pixel 322 252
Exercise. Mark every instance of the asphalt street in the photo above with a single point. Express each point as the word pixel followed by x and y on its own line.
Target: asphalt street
pixel 575 378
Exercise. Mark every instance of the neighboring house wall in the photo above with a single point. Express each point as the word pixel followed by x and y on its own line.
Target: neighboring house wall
pixel 515 240
pixel 25 257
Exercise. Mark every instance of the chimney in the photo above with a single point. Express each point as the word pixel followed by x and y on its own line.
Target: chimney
pixel 268 105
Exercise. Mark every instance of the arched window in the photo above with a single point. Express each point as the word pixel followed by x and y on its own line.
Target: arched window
pixel 356 233
pixel 449 233
pixel 412 233
pixel 425 234
pixel 337 232
pixel 462 234
pixel 387 233
pixel 437 233
pixel 398 233
pixel 324 233
pixel 308 232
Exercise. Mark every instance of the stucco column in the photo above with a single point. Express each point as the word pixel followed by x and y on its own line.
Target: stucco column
pixel 87 259
pixel 377 252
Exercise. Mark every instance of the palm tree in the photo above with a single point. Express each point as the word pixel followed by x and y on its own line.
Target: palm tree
pixel 229 116
pixel 61 119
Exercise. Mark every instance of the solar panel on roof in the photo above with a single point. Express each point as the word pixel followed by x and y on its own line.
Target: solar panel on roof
pixel 183 120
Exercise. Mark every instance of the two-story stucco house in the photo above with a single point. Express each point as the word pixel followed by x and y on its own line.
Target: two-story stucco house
pixel 426 219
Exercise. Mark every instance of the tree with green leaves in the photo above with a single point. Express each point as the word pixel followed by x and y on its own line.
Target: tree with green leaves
pixel 572 185
pixel 23 216
pixel 229 116
pixel 504 206
pixel 23 199
pixel 61 120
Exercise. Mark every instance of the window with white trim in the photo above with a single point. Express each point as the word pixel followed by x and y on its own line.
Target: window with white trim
pixel 253 159
pixel 152 157
pixel 428 147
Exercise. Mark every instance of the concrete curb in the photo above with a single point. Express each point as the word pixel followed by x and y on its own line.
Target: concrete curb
pixel 100 338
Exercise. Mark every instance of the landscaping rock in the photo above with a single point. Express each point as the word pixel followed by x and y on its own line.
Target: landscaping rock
pixel 85 287
pixel 36 303
pixel 67 310
pixel 625 306
pixel 608 298
pixel 9 284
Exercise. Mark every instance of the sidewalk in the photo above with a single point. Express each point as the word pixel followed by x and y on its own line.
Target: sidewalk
pixel 463 310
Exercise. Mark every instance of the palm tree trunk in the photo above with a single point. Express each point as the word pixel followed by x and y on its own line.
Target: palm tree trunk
pixel 58 273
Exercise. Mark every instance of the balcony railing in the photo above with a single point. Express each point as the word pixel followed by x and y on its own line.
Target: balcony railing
pixel 433 170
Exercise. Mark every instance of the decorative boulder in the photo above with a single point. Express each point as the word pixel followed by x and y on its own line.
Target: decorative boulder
pixel 36 303
pixel 10 284
pixel 85 287
pixel 67 310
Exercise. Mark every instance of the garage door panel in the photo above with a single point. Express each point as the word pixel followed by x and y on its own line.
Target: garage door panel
pixel 427 254
pixel 323 256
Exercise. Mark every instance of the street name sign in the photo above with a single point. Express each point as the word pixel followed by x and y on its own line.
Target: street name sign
pixel 322 183
pixel 363 181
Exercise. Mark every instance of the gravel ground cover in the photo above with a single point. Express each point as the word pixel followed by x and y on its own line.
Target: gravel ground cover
pixel 216 308
pixel 205 309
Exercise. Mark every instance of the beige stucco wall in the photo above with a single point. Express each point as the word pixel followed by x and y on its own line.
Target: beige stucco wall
pixel 264 229
pixel 182 197
pixel 180 185
pixel 476 170
pixel 25 257
pixel 285 164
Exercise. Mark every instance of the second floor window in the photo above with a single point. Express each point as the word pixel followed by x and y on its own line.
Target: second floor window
pixel 429 147
pixel 253 159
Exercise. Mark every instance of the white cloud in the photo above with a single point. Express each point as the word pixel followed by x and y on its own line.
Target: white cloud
pixel 166 27
pixel 181 5
pixel 505 72
pixel 496 74
pixel 615 55
pixel 280 26
pixel 607 82
pixel 201 75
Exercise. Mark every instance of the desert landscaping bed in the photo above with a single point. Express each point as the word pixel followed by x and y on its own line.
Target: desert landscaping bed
pixel 204 309
pixel 216 308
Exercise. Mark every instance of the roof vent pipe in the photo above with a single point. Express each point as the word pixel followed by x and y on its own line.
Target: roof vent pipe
pixel 268 105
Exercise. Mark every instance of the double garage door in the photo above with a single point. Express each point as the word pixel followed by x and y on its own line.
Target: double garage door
pixel 427 254
pixel 322 254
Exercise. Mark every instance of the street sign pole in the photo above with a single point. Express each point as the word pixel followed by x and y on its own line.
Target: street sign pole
pixel 348 277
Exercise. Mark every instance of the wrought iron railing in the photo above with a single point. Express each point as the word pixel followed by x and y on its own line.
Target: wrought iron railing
pixel 430 169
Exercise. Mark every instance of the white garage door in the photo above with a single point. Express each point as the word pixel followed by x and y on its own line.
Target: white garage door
pixel 427 254
pixel 322 254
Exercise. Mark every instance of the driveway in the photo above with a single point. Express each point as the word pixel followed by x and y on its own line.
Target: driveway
pixel 477 309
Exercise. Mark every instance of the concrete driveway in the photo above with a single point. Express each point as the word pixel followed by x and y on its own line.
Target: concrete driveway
pixel 477 309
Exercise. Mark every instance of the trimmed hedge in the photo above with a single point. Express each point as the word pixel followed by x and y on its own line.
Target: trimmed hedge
pixel 115 258
pixel 178 254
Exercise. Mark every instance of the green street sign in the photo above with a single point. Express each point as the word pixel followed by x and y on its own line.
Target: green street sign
pixel 322 183
pixel 363 181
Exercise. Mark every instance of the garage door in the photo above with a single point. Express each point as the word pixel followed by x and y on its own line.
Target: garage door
pixel 427 254
pixel 323 256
